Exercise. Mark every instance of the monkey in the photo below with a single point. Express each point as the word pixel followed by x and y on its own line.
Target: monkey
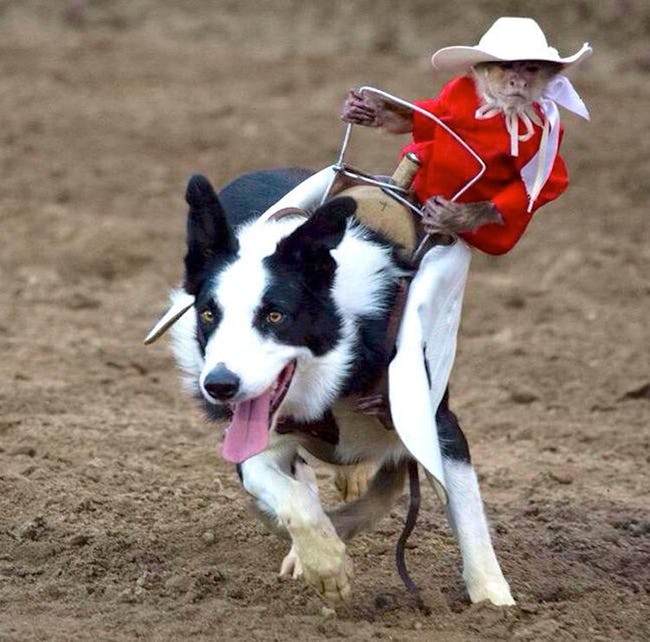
pixel 511 80
pixel 509 87
pixel 513 85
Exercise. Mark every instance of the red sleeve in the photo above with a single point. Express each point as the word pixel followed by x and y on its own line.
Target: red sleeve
pixel 424 128
pixel 512 203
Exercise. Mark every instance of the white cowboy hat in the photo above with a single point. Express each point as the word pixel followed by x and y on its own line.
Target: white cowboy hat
pixel 507 39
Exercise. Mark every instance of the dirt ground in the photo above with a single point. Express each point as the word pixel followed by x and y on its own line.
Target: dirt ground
pixel 118 520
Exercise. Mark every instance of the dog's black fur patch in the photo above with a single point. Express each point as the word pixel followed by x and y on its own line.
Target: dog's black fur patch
pixel 452 440
pixel 250 195
pixel 319 437
pixel 212 220
pixel 210 239
pixel 301 273
pixel 205 329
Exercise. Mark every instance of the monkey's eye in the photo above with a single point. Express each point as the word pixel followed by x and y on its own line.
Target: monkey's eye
pixel 506 65
pixel 275 317
pixel 533 69
pixel 207 316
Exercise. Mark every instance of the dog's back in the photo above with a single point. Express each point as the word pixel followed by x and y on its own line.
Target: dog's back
pixel 250 194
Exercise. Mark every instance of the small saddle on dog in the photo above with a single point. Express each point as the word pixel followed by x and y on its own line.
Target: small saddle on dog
pixel 379 210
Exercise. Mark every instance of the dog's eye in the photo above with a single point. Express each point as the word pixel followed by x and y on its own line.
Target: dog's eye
pixel 274 317
pixel 207 316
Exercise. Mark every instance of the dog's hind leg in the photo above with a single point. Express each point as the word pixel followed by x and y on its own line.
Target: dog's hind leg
pixel 361 514
pixel 353 481
pixel 294 502
pixel 481 571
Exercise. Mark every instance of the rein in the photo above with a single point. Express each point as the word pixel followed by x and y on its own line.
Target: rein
pixel 409 525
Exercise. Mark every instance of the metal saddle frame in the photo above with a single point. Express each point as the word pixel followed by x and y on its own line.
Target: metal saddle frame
pixel 401 195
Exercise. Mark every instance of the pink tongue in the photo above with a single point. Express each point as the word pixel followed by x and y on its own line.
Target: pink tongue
pixel 248 432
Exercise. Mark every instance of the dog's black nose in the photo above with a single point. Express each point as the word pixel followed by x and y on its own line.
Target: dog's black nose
pixel 221 384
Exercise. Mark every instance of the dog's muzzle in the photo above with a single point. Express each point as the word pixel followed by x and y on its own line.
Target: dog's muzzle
pixel 221 384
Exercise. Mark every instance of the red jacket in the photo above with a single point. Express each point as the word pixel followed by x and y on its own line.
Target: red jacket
pixel 447 166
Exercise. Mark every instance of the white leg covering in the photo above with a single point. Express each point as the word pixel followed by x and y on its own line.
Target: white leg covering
pixel 316 548
pixel 481 570
pixel 431 318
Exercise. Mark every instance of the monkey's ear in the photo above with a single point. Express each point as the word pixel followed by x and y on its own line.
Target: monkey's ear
pixel 208 234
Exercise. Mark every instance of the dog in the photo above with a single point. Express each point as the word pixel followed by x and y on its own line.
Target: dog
pixel 287 333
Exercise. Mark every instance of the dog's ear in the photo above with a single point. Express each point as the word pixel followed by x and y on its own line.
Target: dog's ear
pixel 208 234
pixel 327 224
pixel 323 230
pixel 308 247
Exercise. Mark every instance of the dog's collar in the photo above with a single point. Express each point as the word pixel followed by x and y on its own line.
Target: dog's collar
pixel 286 212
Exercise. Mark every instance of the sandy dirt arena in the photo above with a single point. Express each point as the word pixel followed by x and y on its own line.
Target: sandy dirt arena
pixel 118 520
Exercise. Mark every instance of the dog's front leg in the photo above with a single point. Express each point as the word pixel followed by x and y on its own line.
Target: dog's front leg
pixel 295 504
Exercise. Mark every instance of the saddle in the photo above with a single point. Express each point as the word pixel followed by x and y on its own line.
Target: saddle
pixel 385 204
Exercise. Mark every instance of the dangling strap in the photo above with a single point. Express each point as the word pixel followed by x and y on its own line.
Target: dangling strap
pixel 409 525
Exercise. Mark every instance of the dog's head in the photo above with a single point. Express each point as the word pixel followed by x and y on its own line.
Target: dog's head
pixel 263 306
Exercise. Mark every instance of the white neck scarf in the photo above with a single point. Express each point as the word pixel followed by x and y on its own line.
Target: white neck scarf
pixel 535 173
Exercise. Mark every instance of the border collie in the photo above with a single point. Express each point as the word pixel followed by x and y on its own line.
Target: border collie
pixel 288 331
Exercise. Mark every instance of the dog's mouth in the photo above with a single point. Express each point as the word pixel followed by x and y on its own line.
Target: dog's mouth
pixel 248 432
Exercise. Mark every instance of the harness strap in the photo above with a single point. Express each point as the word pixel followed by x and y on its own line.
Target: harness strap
pixel 396 313
pixel 409 525
pixel 394 320
pixel 287 211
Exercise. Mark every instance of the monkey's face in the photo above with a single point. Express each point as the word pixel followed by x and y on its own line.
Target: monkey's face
pixel 512 85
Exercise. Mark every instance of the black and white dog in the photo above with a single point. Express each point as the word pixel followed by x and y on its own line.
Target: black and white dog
pixel 288 330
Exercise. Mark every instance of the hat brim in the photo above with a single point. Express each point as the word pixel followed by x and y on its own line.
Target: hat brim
pixel 459 59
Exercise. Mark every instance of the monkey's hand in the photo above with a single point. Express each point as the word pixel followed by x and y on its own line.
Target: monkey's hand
pixel 359 109
pixel 440 216
pixel 371 111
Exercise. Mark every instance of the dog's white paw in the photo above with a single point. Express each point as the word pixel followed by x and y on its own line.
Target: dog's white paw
pixel 291 565
pixel 328 569
pixel 352 481
pixel 494 589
